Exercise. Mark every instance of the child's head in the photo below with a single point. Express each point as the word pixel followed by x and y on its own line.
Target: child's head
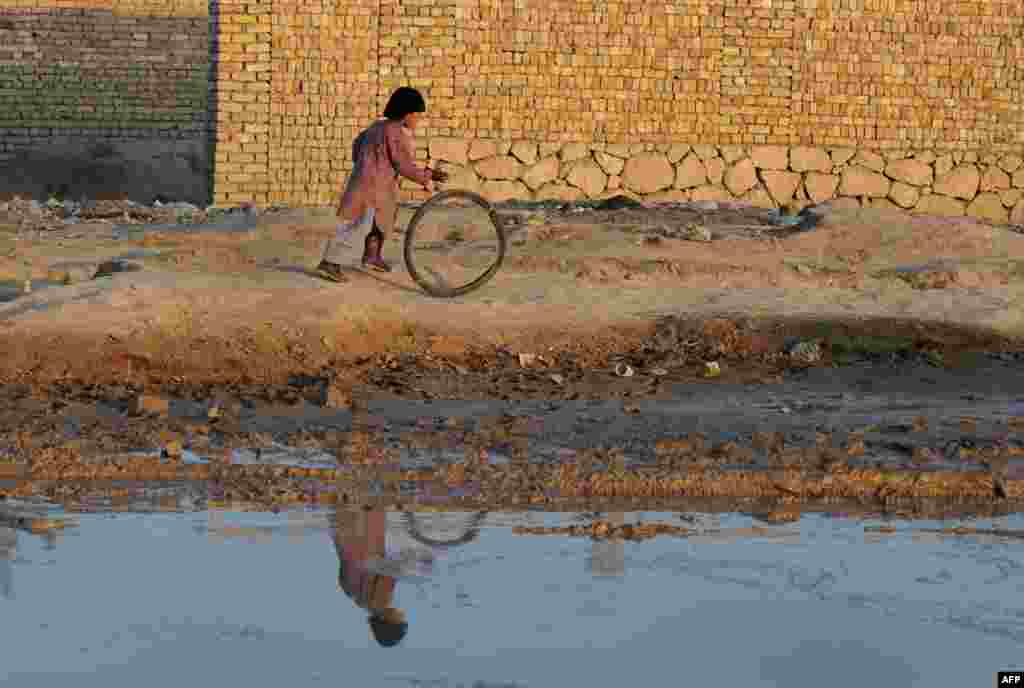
pixel 405 105
pixel 388 626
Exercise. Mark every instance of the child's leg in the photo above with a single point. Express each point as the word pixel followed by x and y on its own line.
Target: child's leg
pixel 386 211
pixel 372 250
pixel 342 240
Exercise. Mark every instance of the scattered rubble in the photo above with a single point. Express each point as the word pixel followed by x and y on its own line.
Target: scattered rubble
pixel 34 216
pixel 807 352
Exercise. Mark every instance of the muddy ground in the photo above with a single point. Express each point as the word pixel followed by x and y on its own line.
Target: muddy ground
pixel 908 332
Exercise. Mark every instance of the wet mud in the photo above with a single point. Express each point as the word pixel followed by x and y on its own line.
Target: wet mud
pixel 806 409
pixel 892 426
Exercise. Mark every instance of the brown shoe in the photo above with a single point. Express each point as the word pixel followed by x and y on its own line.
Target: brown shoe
pixel 371 252
pixel 331 271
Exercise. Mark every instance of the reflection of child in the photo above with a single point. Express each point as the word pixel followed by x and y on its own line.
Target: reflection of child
pixel 380 155
pixel 360 539
pixel 8 552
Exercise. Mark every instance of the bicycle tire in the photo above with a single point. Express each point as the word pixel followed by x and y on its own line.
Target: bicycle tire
pixel 410 233
pixel 412 528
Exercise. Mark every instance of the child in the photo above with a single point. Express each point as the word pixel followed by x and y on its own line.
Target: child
pixel 359 538
pixel 380 154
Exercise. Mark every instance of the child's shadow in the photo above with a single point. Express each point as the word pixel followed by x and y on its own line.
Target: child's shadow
pixel 350 271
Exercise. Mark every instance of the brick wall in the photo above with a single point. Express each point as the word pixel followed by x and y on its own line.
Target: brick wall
pixel 881 102
pixel 917 104
pixel 105 98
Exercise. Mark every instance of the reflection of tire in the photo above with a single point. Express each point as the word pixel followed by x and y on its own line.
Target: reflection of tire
pixel 472 530
pixel 417 273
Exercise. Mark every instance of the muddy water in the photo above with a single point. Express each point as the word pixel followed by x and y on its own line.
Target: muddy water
pixel 226 598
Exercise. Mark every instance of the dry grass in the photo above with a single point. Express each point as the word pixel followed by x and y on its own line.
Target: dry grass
pixel 356 327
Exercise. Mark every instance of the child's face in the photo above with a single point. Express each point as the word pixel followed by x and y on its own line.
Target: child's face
pixel 411 120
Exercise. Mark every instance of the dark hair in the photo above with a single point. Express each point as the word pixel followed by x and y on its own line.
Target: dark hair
pixel 403 101
pixel 387 634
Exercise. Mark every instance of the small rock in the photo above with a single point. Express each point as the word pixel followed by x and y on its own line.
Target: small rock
pixel 333 397
pixel 149 405
pixel 112 267
pixel 806 351
pixel 923 455
pixel 623 370
pixel 526 360
pixel 659 372
pixel 557 379
pixel 173 450
pixel 695 232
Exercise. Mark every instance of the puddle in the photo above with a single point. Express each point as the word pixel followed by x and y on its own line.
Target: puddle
pixel 254 599
pixel 12 289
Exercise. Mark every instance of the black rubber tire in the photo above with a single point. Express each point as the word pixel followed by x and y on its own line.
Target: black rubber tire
pixel 471 533
pixel 410 234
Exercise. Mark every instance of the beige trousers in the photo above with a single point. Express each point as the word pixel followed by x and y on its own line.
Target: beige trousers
pixel 344 237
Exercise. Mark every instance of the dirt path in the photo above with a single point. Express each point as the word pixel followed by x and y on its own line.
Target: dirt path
pixel 594 274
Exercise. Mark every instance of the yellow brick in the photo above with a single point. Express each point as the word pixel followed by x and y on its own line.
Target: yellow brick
pixel 759 73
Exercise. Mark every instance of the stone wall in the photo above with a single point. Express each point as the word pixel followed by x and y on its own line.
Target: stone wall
pixel 105 98
pixel 989 186
pixel 608 81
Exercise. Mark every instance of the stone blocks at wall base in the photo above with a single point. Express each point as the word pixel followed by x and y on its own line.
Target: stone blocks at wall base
pixel 983 186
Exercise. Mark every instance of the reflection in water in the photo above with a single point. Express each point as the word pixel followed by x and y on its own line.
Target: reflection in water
pixel 360 537
pixel 776 612
pixel 8 551
pixel 608 558
pixel 842 662
pixel 30 522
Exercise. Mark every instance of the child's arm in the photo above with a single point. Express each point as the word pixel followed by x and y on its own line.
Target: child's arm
pixel 355 155
pixel 403 160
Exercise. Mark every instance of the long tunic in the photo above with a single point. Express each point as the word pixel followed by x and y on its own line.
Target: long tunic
pixel 380 154
pixel 360 537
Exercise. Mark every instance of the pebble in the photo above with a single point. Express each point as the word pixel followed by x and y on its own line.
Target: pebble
pixel 146 404
pixel 695 232
pixel 806 351
pixel 333 397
